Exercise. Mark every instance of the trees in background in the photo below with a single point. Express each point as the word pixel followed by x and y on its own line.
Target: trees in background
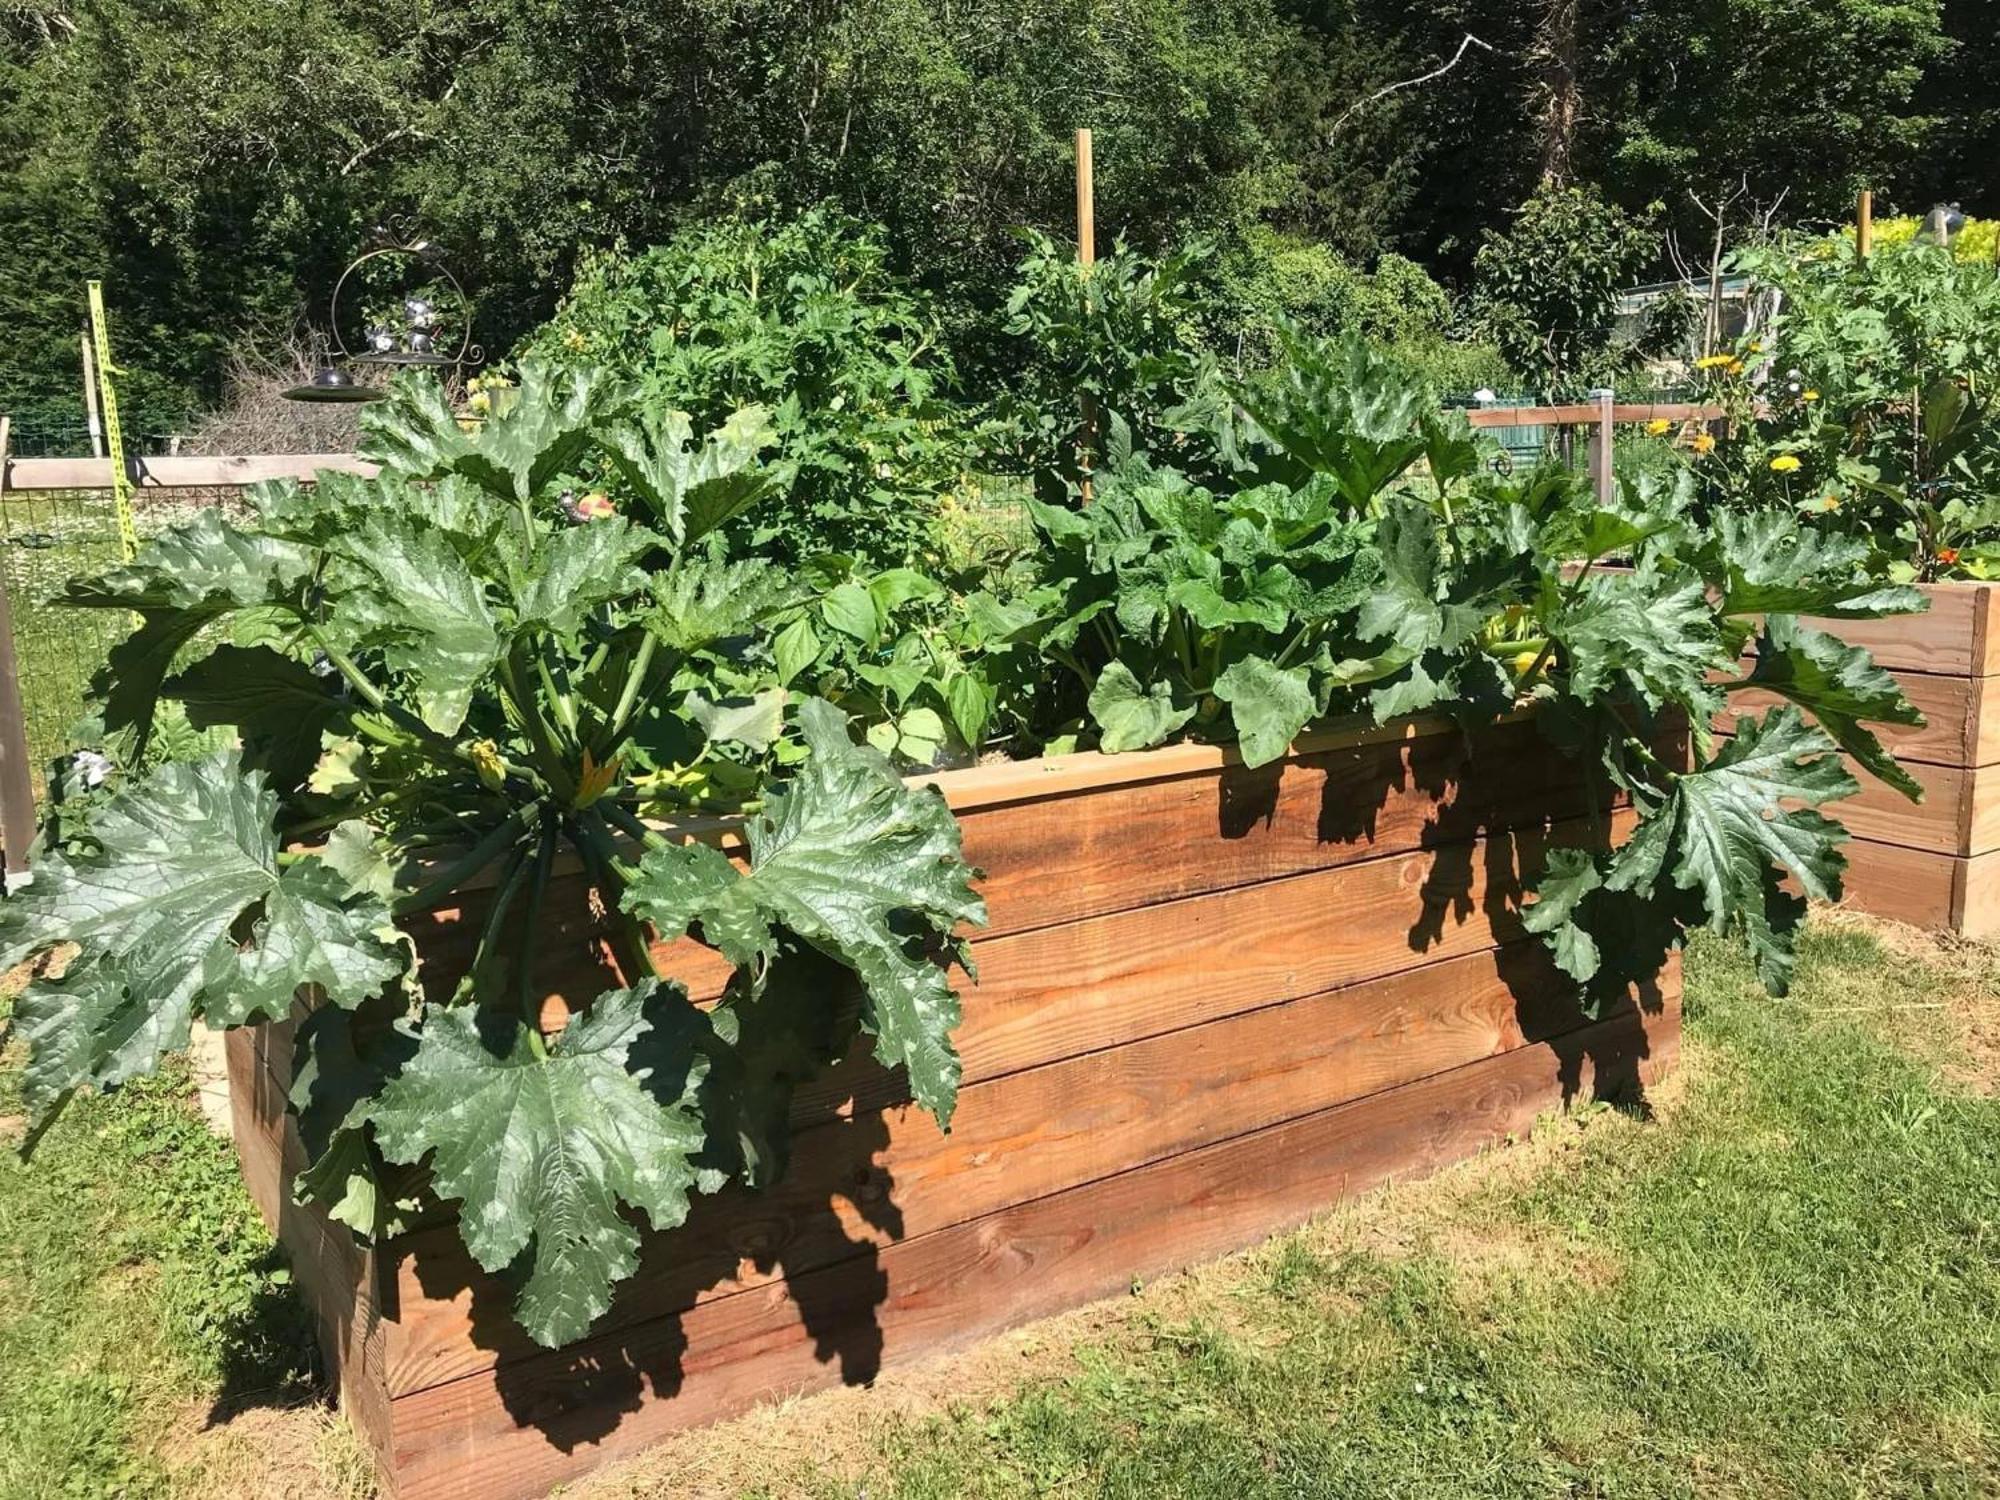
pixel 217 161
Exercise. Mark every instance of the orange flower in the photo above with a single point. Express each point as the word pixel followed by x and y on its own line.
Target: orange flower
pixel 595 780
pixel 1948 555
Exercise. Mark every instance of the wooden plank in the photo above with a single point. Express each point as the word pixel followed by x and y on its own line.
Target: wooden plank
pixel 1574 414
pixel 567 1411
pixel 1905 885
pixel 178 472
pixel 1956 731
pixel 1202 831
pixel 1030 780
pixel 1942 892
pixel 1976 912
pixel 859 1184
pixel 1952 638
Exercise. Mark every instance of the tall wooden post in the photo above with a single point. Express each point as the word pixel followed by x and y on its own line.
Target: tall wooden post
pixel 90 397
pixel 1086 205
pixel 17 782
pixel 1086 255
pixel 1864 224
pixel 1601 447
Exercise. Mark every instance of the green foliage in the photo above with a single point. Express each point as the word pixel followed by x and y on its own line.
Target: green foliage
pixel 540 1145
pixel 1809 99
pixel 1548 285
pixel 1870 405
pixel 802 318
pixel 1122 336
pixel 478 662
pixel 171 147
pixel 1268 280
pixel 1324 573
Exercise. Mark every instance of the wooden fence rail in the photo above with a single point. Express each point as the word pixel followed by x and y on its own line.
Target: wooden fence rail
pixel 188 472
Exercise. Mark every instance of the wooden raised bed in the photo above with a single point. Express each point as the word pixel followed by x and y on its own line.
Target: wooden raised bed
pixel 1212 1002
pixel 1934 863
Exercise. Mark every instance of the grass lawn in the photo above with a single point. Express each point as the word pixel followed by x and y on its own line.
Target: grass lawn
pixel 1787 1282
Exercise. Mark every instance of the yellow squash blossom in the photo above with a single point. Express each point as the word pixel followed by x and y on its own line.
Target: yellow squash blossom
pixel 595 780
pixel 1786 463
pixel 487 762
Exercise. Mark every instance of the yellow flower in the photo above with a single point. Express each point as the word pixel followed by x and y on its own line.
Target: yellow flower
pixel 486 761
pixel 596 780
pixel 1525 662
pixel 1704 442
pixel 1733 366
pixel 1754 347
pixel 1659 427
pixel 1713 361
pixel 1786 463
pixel 1829 501
pixel 574 341
pixel 1809 395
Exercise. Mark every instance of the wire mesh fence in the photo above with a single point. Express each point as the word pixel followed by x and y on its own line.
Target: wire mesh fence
pixel 48 537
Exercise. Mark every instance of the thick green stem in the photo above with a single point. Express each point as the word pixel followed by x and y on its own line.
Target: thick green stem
pixel 530 1002
pixel 541 744
pixel 558 698
pixel 628 697
pixel 516 871
pixel 628 823
pixel 478 857
pixel 613 877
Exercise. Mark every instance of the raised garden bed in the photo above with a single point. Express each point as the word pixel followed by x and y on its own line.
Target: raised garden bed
pixel 1934 863
pixel 1212 1001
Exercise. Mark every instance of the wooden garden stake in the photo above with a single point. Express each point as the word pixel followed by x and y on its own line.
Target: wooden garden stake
pixel 90 397
pixel 1864 224
pixel 17 785
pixel 1086 255
pixel 1086 207
pixel 1601 447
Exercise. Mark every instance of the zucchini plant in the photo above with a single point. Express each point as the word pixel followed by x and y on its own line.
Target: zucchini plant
pixel 433 685
pixel 1366 560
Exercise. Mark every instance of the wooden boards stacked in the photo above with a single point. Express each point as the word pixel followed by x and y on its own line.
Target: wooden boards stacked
pixel 1934 863
pixel 1212 1001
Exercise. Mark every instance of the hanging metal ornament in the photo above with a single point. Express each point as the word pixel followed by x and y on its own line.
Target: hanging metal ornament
pixel 419 339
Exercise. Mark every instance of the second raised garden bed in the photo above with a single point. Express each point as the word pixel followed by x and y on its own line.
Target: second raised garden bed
pixel 1212 1001
pixel 1934 863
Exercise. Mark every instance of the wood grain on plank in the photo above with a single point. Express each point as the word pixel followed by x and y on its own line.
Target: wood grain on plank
pixel 859 1185
pixel 1136 844
pixel 1943 892
pixel 1955 733
pixel 1952 638
pixel 564 1412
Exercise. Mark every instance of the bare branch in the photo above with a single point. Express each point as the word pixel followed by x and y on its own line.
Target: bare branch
pixel 1407 83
